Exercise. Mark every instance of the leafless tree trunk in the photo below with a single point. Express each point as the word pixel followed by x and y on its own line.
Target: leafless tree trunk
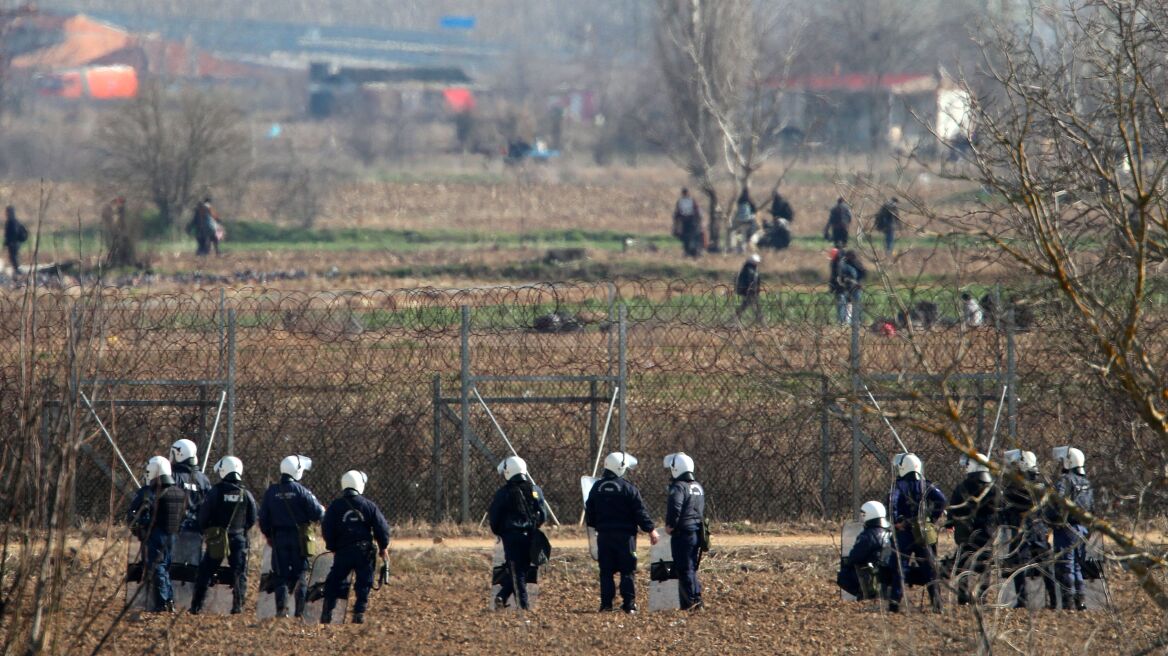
pixel 719 80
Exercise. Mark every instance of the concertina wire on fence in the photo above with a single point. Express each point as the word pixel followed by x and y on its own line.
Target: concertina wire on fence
pixel 760 402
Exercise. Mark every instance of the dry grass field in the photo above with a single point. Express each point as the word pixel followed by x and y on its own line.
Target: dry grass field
pixel 766 594
pixel 459 222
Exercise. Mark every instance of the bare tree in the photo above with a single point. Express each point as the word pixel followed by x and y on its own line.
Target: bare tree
pixel 171 147
pixel 1072 125
pixel 719 77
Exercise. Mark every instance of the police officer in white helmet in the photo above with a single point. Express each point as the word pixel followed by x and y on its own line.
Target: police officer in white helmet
pixel 685 515
pixel 517 510
pixel 867 556
pixel 286 513
pixel 184 458
pixel 1070 533
pixel 616 510
pixel 227 514
pixel 155 515
pixel 356 532
pixel 915 506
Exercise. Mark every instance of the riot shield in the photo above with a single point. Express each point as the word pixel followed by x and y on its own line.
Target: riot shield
pixel 318 570
pixel 663 593
pixel 499 570
pixel 848 536
pixel 586 483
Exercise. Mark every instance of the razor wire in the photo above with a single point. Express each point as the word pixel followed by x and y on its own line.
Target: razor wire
pixel 763 404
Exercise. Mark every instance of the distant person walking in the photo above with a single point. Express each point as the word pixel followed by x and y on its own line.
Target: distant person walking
pixel 747 287
pixel 15 234
pixel 205 227
pixel 847 275
pixel 886 221
pixel 687 224
pixel 839 221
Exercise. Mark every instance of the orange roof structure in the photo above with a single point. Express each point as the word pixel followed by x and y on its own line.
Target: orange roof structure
pixel 83 41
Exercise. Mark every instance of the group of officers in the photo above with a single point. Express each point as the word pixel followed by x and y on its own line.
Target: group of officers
pixel 898 545
pixel 177 498
pixel 616 510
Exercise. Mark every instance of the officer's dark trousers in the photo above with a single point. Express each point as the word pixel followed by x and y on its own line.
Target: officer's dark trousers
pixel 1025 554
pixel 686 553
pixel 289 567
pixel 159 547
pixel 14 258
pixel 926 559
pixel 617 553
pixel 1070 547
pixel 517 551
pixel 357 558
pixel 236 560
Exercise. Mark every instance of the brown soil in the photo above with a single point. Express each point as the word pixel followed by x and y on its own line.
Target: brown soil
pixel 765 594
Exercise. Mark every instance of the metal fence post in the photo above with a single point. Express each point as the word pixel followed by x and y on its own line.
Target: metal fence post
pixel 1011 380
pixel 222 331
pixel 231 381
pixel 824 448
pixel 464 378
pixel 592 418
pixel 611 320
pixel 854 365
pixel 623 348
pixel 436 454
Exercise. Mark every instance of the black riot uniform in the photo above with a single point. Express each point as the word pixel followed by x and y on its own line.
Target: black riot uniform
pixel 231 506
pixel 684 513
pixel 616 510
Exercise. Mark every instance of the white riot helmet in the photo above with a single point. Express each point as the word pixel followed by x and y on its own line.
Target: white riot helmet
pixel 295 466
pixel 976 465
pixel 354 480
pixel 511 467
pixel 1024 461
pixel 619 462
pixel 908 463
pixel 874 510
pixel 184 450
pixel 156 467
pixel 679 463
pixel 229 465
pixel 1073 459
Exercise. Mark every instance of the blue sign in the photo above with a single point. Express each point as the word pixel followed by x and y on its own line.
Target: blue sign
pixel 457 22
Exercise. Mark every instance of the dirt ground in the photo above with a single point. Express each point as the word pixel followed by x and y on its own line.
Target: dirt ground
pixel 766 594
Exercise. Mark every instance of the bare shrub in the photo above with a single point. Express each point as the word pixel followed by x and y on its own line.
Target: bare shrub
pixel 171 147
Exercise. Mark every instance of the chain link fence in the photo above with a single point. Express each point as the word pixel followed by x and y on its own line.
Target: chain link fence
pixel 775 405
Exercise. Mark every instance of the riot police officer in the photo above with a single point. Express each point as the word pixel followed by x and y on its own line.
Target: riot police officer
pixel 156 514
pixel 287 509
pixel 352 525
pixel 973 514
pixel 517 510
pixel 184 458
pixel 616 510
pixel 231 509
pixel 1070 534
pixel 916 505
pixel 1022 516
pixel 685 512
pixel 871 552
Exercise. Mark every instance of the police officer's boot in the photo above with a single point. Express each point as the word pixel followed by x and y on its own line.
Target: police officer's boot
pixel 358 618
pixel 236 600
pixel 197 601
pixel 326 611
pixel 935 597
pixel 168 606
pixel 1080 604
